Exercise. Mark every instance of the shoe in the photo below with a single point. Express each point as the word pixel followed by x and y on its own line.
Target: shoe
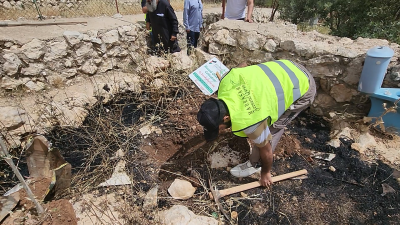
pixel 244 170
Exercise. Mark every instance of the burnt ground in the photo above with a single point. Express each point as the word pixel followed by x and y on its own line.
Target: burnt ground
pixel 352 194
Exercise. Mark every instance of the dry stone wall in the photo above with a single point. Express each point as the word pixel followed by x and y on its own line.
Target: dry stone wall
pixel 70 4
pixel 335 62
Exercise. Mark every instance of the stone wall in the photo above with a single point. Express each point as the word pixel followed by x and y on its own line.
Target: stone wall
pixel 70 4
pixel 335 62
pixel 116 59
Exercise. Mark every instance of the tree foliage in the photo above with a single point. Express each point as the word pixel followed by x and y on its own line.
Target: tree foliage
pixel 348 18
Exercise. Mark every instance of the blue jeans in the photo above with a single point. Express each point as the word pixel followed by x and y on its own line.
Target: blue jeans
pixel 192 38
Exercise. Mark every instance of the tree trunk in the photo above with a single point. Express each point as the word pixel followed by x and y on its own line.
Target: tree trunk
pixel 275 5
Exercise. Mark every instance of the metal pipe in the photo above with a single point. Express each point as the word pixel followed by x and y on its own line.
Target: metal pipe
pixel 116 4
pixel 4 153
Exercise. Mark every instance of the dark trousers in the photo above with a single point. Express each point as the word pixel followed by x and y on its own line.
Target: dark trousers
pixel 192 39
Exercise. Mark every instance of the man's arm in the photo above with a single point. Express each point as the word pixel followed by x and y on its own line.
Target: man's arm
pixel 266 160
pixel 201 15
pixel 185 15
pixel 250 7
pixel 241 65
pixel 169 11
pixel 223 9
pixel 144 7
pixel 148 22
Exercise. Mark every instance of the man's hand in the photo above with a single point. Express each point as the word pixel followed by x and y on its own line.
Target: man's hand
pixel 173 38
pixel 248 20
pixel 187 31
pixel 266 179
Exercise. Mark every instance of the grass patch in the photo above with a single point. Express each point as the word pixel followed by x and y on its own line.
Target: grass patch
pixel 305 27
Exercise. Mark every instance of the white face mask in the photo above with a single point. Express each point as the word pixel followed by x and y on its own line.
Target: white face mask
pixel 151 7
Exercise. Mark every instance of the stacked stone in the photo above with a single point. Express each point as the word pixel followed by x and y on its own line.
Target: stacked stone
pixel 42 62
pixel 336 63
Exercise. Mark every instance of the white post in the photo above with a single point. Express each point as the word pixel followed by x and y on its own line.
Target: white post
pixel 4 153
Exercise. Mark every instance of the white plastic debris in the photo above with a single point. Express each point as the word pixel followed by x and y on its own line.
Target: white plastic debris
pixel 323 155
pixel 119 176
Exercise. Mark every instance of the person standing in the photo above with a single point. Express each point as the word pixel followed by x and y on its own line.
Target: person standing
pixel 162 19
pixel 235 10
pixel 258 102
pixel 193 21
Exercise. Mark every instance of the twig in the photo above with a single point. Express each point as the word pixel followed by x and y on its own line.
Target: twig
pixel 187 178
pixel 386 178
pixel 285 216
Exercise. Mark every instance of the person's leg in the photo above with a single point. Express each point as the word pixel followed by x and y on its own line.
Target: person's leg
pixel 277 129
pixel 255 151
pixel 196 38
pixel 190 38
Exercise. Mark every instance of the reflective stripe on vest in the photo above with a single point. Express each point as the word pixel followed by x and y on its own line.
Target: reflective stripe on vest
pixel 257 92
pixel 278 86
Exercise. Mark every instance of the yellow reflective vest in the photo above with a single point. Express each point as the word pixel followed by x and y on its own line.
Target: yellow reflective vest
pixel 255 93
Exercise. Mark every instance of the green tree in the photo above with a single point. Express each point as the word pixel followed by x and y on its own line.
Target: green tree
pixel 348 18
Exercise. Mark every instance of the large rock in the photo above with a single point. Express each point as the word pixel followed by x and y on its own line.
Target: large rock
pixel 9 83
pixel 223 37
pixel 33 49
pixel 270 45
pixel 353 70
pixel 56 50
pixel 111 37
pixel 201 56
pixel 73 37
pixel 324 100
pixel 150 201
pixel 341 93
pixel 12 64
pixel 181 189
pixel 12 117
pixel 363 142
pixel 85 49
pixel 67 73
pixel 7 5
pixel 34 86
pixel 250 40
pixel 218 49
pixel 117 51
pixel 89 67
pixel 33 69
pixel 304 49
pixel 181 61
pixel 155 63
pixel 181 215
pixel 108 64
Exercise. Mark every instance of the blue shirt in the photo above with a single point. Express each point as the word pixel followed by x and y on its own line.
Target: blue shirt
pixel 193 15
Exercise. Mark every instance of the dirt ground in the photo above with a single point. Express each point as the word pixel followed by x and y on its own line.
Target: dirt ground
pixel 346 190
pixel 58 212
pixel 351 193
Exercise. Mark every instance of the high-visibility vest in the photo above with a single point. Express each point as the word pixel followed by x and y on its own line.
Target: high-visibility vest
pixel 255 93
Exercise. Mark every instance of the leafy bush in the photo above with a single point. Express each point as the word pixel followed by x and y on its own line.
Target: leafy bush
pixel 355 18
